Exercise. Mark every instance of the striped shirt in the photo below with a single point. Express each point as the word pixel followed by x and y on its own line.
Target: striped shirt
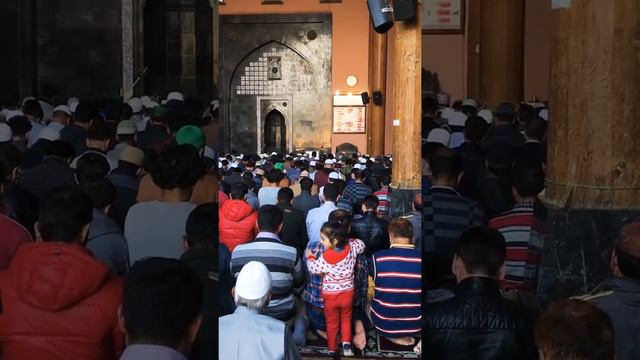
pixel 356 193
pixel 313 289
pixel 384 198
pixel 285 267
pixel 447 215
pixel 337 266
pixel 396 307
pixel 523 230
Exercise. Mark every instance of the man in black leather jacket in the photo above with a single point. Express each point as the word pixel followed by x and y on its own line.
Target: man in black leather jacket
pixel 370 228
pixel 479 323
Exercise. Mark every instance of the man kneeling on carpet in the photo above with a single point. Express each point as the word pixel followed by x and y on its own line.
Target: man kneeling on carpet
pixel 247 334
pixel 396 306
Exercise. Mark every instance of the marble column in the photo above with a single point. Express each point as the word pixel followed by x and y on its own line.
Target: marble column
pixel 127 50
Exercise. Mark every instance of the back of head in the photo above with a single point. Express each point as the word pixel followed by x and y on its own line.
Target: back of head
pixel 91 167
pixel 475 128
pixel 270 218
pixel 429 105
pixel 64 213
pixel 101 191
pixel 239 190
pixel 575 330
pixel 20 125
pixel 445 164
pixel 177 167
pixel 59 149
pixel 202 226
pixel 385 180
pixel 401 228
pixel 100 131
pixel 85 112
pixel 285 195
pixel 535 128
pixel 331 192
pixel 162 299
pixel 306 184
pixel 482 251
pixel 32 108
pixel 341 217
pixel 371 203
pixel 528 180
pixel 628 250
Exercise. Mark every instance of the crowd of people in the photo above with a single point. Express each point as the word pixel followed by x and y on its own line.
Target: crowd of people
pixel 338 263
pixel 108 216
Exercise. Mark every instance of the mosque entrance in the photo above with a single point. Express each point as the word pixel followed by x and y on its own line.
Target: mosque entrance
pixel 275 132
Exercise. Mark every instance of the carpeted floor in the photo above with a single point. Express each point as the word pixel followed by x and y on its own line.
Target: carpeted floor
pixel 377 348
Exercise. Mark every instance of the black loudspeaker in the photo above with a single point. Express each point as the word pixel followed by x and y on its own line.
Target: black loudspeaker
pixel 381 14
pixel 377 98
pixel 404 10
pixel 365 98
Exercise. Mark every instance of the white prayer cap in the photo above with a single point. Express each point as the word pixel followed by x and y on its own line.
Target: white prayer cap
pixel 253 282
pixel 487 115
pixel 440 136
pixel 335 176
pixel 72 100
pixel 5 133
pixel 470 102
pixel 174 95
pixel 447 112
pixel 63 108
pixel 136 104
pixel 457 119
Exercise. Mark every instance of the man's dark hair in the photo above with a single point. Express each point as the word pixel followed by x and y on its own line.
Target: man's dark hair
pixel 101 191
pixel 371 203
pixel 475 128
pixel 161 299
pixel 100 131
pixel 177 167
pixel 482 250
pixel 306 184
pixel 91 167
pixel 385 179
pixel 33 108
pixel 113 110
pixel 285 195
pixel 9 158
pixel 528 180
pixel 273 176
pixel 85 112
pixel 270 217
pixel 331 192
pixel 629 265
pixel 445 163
pixel 429 105
pixel 236 170
pixel 357 174
pixel 202 226
pixel 63 214
pixel 239 190
pixel 59 148
pixel 576 330
pixel 535 128
pixel 401 228
pixel 19 125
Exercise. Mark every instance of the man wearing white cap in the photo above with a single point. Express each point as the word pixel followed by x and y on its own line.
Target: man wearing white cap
pixel 125 134
pixel 457 122
pixel 60 119
pixel 247 334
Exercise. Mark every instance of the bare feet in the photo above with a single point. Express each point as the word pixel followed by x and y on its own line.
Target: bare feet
pixel 418 348
pixel 403 341
pixel 360 337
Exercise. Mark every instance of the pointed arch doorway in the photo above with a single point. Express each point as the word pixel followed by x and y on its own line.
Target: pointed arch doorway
pixel 275 132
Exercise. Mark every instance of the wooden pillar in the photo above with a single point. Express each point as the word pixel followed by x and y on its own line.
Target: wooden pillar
pixel 377 82
pixel 594 127
pixel 407 120
pixel 496 62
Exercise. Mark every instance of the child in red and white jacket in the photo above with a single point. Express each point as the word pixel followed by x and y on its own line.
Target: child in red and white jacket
pixel 337 265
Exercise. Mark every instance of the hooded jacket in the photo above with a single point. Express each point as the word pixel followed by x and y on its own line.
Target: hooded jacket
pixel 58 302
pixel 237 223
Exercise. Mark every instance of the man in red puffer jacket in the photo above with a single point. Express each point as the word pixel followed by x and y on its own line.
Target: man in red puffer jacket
pixel 237 218
pixel 58 302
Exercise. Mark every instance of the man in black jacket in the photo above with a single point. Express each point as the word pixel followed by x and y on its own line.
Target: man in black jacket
pixel 370 228
pixel 294 228
pixel 479 323
pixel 201 242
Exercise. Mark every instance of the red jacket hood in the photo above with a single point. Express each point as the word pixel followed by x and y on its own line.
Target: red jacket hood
pixel 236 210
pixel 55 276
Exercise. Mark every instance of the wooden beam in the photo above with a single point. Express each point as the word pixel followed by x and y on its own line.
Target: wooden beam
pixel 377 82
pixel 501 51
pixel 407 84
pixel 594 128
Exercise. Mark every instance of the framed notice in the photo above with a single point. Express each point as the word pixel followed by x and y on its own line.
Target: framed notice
pixel 443 16
pixel 349 119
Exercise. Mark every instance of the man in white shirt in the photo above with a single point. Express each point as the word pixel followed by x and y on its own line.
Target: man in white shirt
pixel 318 216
